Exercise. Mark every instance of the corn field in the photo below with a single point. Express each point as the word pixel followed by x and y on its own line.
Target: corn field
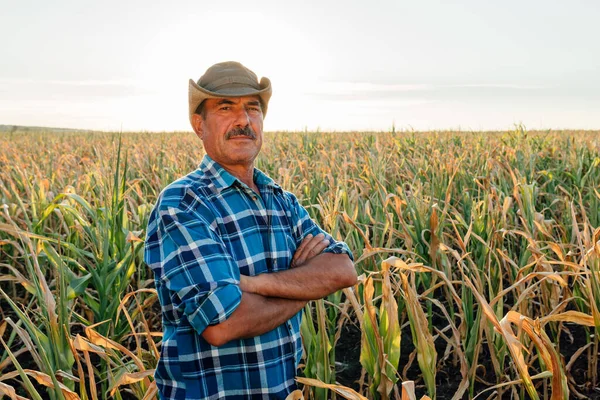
pixel 478 256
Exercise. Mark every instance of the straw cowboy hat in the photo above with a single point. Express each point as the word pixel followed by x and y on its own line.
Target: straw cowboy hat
pixel 228 79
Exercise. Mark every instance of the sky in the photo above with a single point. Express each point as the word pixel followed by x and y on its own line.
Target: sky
pixel 334 65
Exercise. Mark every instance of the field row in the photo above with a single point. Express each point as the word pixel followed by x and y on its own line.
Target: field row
pixel 479 256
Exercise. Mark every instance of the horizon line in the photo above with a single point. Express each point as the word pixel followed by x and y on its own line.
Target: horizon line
pixel 17 128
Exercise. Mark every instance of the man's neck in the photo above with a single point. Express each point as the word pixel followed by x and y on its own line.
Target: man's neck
pixel 244 173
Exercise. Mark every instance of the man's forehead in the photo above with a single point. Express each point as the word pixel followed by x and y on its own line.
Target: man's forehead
pixel 235 100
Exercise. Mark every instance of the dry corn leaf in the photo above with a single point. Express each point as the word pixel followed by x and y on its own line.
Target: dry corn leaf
pixel 83 345
pixel 90 368
pixel 295 395
pixel 365 238
pixel 408 391
pixel 435 242
pixel 105 342
pixel 544 275
pixel 378 250
pixel 575 317
pixel 560 389
pixel 17 276
pixel 131 377
pixel 7 390
pixel 152 391
pixel 27 341
pixel 401 264
pixel 514 346
pixel 419 267
pixel 343 391
pixel 351 296
pixel 63 374
pixel 146 331
pixel 97 339
pixel 426 353
pixel 557 250
pixel 576 355
pixel 46 380
pixel 133 237
pixel 9 375
pixel 126 298
pixel 82 379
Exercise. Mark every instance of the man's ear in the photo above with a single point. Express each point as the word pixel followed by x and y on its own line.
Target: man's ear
pixel 198 125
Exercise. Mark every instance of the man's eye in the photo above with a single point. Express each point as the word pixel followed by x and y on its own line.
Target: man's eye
pixel 225 108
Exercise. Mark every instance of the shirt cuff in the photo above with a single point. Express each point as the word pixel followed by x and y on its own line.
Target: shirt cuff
pixel 339 248
pixel 215 307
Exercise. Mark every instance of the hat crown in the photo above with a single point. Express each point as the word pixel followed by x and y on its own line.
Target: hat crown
pixel 228 79
pixel 228 75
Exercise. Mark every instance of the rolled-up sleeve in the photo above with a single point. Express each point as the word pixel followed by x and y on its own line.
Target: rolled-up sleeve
pixel 304 225
pixel 196 268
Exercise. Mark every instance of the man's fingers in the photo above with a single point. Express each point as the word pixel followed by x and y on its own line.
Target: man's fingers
pixel 319 247
pixel 310 247
pixel 309 243
pixel 297 258
pixel 303 244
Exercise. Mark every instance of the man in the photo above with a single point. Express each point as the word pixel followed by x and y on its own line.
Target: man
pixel 235 257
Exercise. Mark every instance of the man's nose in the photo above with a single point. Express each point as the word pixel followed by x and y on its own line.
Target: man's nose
pixel 242 118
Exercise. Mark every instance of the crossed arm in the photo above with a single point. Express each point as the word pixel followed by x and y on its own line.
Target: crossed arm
pixel 268 300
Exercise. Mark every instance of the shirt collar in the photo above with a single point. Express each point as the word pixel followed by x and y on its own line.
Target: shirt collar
pixel 221 179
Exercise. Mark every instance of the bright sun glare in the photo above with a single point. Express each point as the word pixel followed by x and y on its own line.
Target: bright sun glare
pixel 180 51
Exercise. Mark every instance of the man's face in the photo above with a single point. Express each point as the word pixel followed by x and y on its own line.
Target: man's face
pixel 231 129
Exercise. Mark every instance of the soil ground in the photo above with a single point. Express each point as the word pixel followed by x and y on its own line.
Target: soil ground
pixel 348 367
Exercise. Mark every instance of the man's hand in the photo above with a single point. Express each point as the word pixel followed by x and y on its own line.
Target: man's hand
pixel 313 274
pixel 309 248
pixel 320 276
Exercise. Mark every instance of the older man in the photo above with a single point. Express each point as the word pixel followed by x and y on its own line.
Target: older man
pixel 235 257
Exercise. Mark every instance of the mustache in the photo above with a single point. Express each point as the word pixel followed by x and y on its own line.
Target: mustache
pixel 238 131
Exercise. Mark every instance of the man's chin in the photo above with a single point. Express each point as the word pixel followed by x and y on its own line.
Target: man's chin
pixel 243 157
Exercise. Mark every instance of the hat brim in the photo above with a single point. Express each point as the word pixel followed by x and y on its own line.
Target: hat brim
pixel 197 94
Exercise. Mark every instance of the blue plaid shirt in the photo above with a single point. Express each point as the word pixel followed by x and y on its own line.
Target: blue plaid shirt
pixel 205 230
